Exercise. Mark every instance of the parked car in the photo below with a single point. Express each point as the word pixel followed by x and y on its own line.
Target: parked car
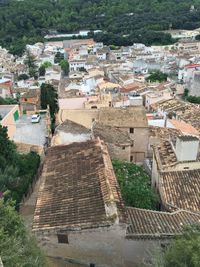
pixel 35 118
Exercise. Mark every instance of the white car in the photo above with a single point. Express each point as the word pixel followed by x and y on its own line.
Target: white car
pixel 35 118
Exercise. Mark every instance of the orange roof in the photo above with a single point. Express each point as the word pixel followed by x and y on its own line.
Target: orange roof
pixel 191 66
pixel 131 87
pixel 184 127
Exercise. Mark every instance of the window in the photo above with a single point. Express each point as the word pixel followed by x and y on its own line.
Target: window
pixel 186 168
pixel 132 145
pixel 63 238
pixel 131 158
pixel 131 130
pixel 25 99
pixel 123 147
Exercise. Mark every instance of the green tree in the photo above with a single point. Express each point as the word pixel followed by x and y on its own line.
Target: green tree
pixel 42 70
pixel 135 185
pixel 43 67
pixel 16 171
pixel 17 247
pixel 30 62
pixel 193 99
pixel 64 66
pixel 23 76
pixel 47 64
pixel 58 57
pixel 49 97
pixel 8 149
pixel 8 101
pixel 157 76
pixel 184 251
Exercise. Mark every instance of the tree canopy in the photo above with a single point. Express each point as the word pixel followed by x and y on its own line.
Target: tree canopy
pixel 16 170
pixel 193 99
pixel 64 64
pixel 135 185
pixel 30 62
pixel 49 97
pixel 184 251
pixel 157 76
pixel 121 22
pixel 16 246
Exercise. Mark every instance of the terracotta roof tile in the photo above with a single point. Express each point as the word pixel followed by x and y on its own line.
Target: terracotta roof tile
pixel 181 190
pixel 78 186
pixel 123 117
pixel 148 224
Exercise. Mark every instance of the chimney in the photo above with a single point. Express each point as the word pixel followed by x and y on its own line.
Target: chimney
pixel 187 148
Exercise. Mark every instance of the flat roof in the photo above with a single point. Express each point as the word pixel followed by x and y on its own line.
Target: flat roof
pixel 5 109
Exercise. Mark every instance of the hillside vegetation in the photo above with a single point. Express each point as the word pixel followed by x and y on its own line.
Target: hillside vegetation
pixel 124 21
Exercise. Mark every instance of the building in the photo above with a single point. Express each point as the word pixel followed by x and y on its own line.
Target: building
pixel 153 97
pixel 118 142
pixel 79 212
pixel 150 230
pixel 30 100
pixel 69 132
pixel 194 89
pixel 179 110
pixel 5 87
pixel 175 173
pixel 9 114
pixel 131 121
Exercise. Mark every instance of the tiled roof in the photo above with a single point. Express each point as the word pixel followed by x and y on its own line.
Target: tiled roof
pixel 31 93
pixel 187 112
pixel 184 127
pixel 123 117
pixel 181 190
pixel 111 134
pixel 148 224
pixel 163 133
pixel 78 187
pixel 132 87
pixel 165 154
pixel 72 127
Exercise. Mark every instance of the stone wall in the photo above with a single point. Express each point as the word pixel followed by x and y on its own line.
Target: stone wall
pixel 26 148
pixel 119 152
pixel 101 246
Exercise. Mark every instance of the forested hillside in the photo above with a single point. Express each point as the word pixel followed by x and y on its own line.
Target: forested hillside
pixel 124 21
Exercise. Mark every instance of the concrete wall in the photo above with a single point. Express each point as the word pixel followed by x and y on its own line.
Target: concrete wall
pixel 186 150
pixel 72 103
pixel 62 138
pixel 83 117
pixel 102 246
